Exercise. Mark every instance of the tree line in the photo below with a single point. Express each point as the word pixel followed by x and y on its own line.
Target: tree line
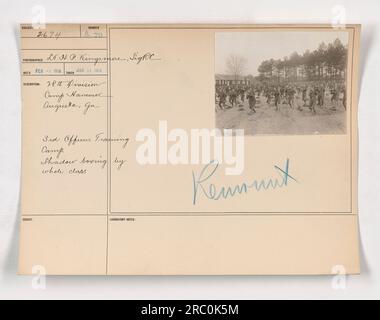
pixel 328 61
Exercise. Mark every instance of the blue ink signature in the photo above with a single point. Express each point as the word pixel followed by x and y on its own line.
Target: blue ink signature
pixel 211 192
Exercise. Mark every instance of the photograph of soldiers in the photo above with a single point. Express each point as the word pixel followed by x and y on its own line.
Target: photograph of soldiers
pixel 281 82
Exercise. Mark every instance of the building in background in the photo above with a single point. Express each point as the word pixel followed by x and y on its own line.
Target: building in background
pixel 229 80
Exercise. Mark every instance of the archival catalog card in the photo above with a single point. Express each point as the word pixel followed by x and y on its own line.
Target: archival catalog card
pixel 189 149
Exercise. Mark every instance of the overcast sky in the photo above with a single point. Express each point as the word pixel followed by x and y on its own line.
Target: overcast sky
pixel 259 46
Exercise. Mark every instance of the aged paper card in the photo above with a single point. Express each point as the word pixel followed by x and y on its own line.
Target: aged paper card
pixel 189 149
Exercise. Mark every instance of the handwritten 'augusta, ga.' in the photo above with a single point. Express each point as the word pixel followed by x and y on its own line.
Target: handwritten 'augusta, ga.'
pixel 201 185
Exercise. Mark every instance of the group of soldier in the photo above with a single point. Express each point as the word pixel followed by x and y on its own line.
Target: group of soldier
pixel 295 95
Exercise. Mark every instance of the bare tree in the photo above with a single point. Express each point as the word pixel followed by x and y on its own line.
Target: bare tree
pixel 235 65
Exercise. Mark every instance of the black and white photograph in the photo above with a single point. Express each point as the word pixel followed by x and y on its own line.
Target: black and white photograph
pixel 281 82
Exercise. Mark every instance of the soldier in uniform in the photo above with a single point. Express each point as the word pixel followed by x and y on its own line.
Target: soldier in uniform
pixel 344 100
pixel 321 96
pixel 242 94
pixel 334 98
pixel 251 100
pixel 268 94
pixel 304 95
pixel 290 96
pixel 222 99
pixel 276 98
pixel 312 97
pixel 233 96
pixel 316 93
pixel 298 99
